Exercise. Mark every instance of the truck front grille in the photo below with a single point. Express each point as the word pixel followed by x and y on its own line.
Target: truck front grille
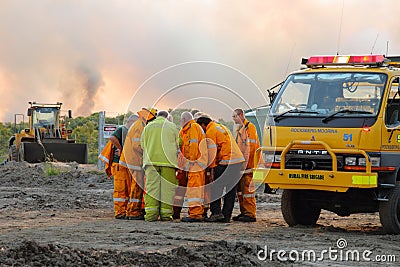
pixel 321 162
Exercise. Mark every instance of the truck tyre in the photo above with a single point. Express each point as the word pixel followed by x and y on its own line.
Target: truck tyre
pixel 296 209
pixel 12 153
pixel 389 212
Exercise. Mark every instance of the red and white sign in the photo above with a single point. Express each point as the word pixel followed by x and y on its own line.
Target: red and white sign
pixel 109 129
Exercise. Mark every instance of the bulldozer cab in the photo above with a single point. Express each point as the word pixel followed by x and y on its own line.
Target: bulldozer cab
pixel 44 117
pixel 46 120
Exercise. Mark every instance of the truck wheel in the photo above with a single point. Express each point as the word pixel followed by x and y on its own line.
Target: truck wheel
pixel 297 210
pixel 12 153
pixel 389 212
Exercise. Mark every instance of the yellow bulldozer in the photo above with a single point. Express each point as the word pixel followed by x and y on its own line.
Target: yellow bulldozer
pixel 44 139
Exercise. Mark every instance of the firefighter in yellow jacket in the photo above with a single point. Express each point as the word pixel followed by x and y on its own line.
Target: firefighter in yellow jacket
pixel 247 139
pixel 192 165
pixel 225 158
pixel 122 177
pixel 132 159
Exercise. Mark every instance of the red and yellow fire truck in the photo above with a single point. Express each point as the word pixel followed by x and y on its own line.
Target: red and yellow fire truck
pixel 332 140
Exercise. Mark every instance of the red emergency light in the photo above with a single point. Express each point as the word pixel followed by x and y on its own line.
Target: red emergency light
pixel 346 60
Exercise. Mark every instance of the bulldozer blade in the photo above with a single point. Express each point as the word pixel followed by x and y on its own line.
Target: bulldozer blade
pixel 63 152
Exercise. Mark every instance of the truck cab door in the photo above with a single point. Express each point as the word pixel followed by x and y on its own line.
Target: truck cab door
pixel 391 130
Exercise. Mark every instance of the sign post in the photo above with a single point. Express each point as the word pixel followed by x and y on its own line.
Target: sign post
pixel 102 117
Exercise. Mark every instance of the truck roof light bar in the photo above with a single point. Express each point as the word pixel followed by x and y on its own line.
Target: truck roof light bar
pixel 377 60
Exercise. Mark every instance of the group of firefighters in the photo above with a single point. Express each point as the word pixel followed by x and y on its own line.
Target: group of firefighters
pixel 155 165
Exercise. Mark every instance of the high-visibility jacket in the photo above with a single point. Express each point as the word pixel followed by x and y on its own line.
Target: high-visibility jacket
pixel 160 143
pixel 132 153
pixel 223 150
pixel 247 139
pixel 107 156
pixel 194 147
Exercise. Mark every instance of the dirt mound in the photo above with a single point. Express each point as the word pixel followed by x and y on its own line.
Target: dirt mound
pixel 219 253
pixel 23 174
pixel 48 186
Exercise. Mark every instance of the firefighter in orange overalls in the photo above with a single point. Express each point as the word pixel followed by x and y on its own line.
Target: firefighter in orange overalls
pixel 225 159
pixel 122 178
pixel 132 159
pixel 192 169
pixel 247 139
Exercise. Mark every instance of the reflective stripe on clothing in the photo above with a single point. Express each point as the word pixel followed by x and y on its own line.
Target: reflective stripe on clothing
pixel 178 197
pixel 123 164
pixel 219 129
pixel 248 171
pixel 212 146
pixel 131 167
pixel 150 209
pixel 252 141
pixel 118 199
pixel 202 165
pixel 104 159
pixel 134 200
pixel 200 200
pixel 193 141
pixel 226 161
pixel 249 195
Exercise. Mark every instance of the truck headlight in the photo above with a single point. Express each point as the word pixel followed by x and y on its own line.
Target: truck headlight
pixel 269 157
pixel 277 158
pixel 362 162
pixel 350 161
pixel 375 161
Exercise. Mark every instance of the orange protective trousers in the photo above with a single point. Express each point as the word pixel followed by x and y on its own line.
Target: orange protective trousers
pixel 135 205
pixel 246 195
pixel 122 185
pixel 193 184
pixel 195 194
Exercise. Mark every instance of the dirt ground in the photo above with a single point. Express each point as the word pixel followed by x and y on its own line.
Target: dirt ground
pixel 66 219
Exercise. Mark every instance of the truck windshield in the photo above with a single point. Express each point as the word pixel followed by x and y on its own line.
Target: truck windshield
pixel 326 93
pixel 43 117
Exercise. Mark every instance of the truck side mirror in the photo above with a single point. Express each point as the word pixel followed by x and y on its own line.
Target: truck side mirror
pixel 70 114
pixel 30 112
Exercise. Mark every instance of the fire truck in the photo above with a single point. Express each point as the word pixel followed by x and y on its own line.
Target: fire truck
pixel 332 140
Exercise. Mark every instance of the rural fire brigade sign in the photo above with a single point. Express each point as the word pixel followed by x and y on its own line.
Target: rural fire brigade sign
pixel 109 129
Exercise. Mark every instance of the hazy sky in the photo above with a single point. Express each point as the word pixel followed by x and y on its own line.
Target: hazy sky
pixel 94 55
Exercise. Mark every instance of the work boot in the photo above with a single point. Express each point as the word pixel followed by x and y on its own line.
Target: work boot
pixel 246 218
pixel 176 216
pixel 135 218
pixel 166 219
pixel 236 218
pixel 120 217
pixel 225 220
pixel 215 218
pixel 190 219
